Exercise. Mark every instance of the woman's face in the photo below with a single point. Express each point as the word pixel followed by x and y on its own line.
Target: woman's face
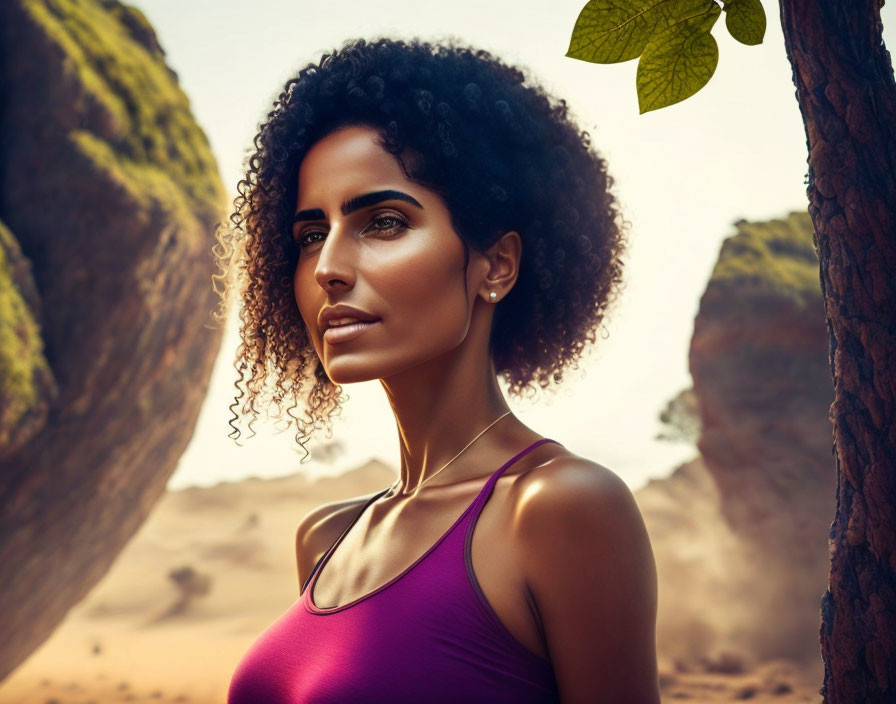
pixel 395 257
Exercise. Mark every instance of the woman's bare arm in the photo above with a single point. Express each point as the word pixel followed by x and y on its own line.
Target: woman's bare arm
pixel 590 568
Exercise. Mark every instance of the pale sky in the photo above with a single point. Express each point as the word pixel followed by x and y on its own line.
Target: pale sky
pixel 683 174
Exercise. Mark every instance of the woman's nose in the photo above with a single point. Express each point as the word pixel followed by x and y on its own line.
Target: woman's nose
pixel 335 266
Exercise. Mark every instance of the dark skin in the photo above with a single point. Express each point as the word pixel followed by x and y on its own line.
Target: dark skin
pixel 560 549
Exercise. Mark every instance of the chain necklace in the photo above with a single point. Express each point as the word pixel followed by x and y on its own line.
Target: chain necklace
pixel 397 481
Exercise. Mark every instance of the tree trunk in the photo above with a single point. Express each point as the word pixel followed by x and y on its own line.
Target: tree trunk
pixel 846 93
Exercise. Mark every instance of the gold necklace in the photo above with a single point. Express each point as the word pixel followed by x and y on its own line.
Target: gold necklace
pixel 397 481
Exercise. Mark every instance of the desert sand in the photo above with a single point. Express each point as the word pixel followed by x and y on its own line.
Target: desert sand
pixel 139 637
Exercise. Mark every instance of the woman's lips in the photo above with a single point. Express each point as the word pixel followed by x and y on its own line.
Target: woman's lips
pixel 343 333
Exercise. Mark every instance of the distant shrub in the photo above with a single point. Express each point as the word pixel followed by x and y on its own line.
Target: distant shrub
pixel 191 585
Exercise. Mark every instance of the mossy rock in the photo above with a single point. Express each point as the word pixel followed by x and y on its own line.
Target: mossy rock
pixel 136 121
pixel 110 197
pixel 775 257
pixel 26 381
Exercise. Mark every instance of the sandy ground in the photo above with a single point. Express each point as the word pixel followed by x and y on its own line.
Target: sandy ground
pixel 135 639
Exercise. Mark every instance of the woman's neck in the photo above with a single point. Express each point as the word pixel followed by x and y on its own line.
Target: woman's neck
pixel 439 407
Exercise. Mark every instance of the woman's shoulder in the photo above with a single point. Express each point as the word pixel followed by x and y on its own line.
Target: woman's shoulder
pixel 564 468
pixel 331 518
pixel 565 484
pixel 560 470
pixel 571 509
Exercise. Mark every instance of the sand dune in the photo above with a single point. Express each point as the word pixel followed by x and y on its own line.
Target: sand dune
pixel 140 636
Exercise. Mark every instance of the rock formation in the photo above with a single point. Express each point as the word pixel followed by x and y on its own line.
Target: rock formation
pixel 109 201
pixel 757 504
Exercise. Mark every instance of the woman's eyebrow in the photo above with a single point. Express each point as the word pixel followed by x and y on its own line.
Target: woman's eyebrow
pixel 356 203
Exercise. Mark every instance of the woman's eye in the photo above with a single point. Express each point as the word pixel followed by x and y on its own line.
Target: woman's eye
pixel 303 238
pixel 391 222
pixel 398 223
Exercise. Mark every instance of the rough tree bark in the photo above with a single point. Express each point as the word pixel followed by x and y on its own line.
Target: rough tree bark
pixel 846 93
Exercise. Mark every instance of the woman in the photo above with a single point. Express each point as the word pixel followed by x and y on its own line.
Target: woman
pixel 416 214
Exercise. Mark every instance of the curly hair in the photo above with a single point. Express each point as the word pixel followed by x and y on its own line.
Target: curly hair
pixel 501 153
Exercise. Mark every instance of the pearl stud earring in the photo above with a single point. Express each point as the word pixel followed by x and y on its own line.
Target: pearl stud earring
pixel 492 296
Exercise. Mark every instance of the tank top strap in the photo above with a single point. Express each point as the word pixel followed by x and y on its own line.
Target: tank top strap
pixel 472 509
pixel 321 559
pixel 486 490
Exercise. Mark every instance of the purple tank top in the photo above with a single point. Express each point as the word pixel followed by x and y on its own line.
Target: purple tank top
pixel 427 636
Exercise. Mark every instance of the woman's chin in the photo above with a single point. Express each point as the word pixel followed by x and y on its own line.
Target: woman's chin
pixel 344 369
pixel 347 373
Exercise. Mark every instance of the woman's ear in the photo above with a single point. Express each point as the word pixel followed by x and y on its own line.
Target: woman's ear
pixel 504 266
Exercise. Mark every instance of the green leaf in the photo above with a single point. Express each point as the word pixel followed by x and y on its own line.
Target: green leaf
pixel 745 20
pixel 608 32
pixel 679 59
